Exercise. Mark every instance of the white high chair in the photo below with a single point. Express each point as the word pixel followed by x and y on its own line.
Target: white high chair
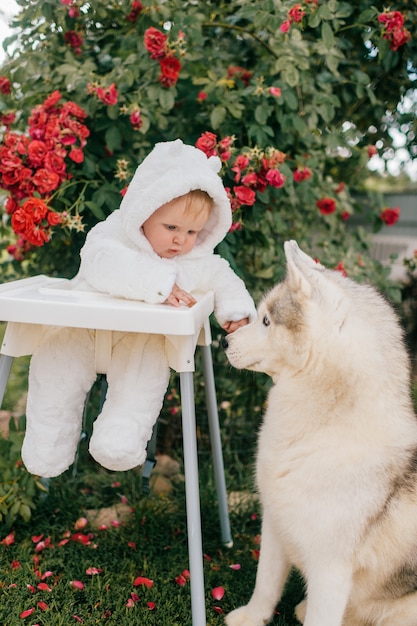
pixel 28 304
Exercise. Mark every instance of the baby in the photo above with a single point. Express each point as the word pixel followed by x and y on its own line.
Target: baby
pixel 158 248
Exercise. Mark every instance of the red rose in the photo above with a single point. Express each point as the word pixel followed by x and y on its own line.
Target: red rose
pixel 7 119
pixel 45 181
pixel 285 26
pixel 170 69
pixel 76 155
pixel 326 205
pixel 51 100
pixel 107 95
pixel 37 151
pixel 137 8
pixel 53 218
pixel 21 220
pixel 136 120
pixel 73 39
pixel 5 86
pixel 207 143
pixel 275 178
pixel 301 175
pixel 296 13
pixel 390 216
pixel 55 163
pixel 37 236
pixel 155 42
pixel 245 195
pixel 250 179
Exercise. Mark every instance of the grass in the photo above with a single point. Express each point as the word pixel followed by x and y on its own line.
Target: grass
pixel 151 543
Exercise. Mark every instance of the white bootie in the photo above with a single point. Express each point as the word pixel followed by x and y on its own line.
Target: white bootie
pixel 137 379
pixel 118 442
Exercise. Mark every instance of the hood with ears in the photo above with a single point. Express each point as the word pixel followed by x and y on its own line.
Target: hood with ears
pixel 170 170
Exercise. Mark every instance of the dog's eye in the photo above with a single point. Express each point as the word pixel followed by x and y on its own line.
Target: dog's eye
pixel 266 321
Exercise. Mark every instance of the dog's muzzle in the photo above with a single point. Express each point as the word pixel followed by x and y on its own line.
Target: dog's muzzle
pixel 225 343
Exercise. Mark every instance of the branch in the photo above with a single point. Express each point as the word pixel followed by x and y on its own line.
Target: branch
pixel 240 29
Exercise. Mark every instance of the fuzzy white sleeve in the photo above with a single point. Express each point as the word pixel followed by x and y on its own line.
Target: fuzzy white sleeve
pixel 232 301
pixel 110 264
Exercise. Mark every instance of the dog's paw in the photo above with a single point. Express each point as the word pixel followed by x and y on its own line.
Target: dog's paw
pixel 243 617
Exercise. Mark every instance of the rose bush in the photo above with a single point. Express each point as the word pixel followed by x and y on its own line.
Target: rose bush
pixel 294 97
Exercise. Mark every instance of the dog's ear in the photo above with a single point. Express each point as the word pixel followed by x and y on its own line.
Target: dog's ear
pixel 302 270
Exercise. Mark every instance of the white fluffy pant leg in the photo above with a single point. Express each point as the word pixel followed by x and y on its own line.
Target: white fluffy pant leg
pixel 137 380
pixel 61 373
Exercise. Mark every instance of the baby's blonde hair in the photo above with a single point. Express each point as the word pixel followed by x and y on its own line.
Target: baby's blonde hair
pixel 198 201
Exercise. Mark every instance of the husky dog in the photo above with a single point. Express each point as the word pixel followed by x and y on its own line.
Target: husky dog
pixel 337 451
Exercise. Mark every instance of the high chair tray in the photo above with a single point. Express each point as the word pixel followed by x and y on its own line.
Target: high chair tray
pixel 52 301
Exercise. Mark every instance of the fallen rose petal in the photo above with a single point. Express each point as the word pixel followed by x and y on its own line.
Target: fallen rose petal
pixel 63 542
pixel 81 538
pixel 36 538
pixel 180 580
pixel 76 584
pixel 31 588
pixel 235 566
pixel 43 606
pixel 44 587
pixel 217 593
pixel 91 571
pixel 151 605
pixel 78 619
pixel 131 544
pixel 218 609
pixel 8 540
pixel 81 523
pixel 141 580
pixel 134 596
pixel 15 565
pixel 130 603
pixel 47 574
pixel 27 613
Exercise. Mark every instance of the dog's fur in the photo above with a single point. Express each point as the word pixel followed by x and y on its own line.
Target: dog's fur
pixel 337 451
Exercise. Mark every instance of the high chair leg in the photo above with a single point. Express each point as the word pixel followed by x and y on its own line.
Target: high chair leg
pixel 195 546
pixel 5 366
pixel 216 446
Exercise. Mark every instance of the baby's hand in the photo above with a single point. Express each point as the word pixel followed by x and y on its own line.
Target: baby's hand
pixel 230 327
pixel 178 295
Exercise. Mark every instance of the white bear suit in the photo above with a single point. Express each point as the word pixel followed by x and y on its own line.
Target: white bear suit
pixel 118 259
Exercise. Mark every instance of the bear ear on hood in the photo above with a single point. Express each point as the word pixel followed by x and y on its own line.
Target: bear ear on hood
pixel 215 164
pixel 170 170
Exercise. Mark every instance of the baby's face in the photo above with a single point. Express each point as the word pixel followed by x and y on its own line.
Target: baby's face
pixel 171 231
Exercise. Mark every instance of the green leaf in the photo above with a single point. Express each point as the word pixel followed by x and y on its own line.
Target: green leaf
pixel 25 512
pixel 96 210
pixel 327 35
pixel 262 113
pixel 217 116
pixel 166 99
pixel 291 76
pixel 113 138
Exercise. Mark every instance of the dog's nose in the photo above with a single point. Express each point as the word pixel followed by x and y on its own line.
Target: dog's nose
pixel 225 343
